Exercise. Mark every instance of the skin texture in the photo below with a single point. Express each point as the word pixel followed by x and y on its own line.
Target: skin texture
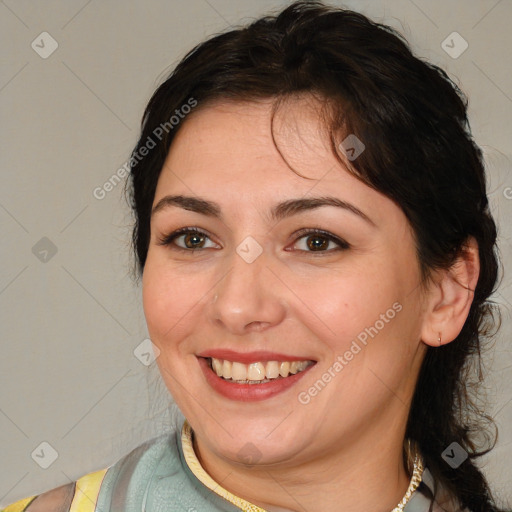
pixel 343 449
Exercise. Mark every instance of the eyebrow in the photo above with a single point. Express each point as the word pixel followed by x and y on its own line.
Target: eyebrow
pixel 278 212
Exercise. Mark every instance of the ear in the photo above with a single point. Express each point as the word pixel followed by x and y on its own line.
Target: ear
pixel 449 297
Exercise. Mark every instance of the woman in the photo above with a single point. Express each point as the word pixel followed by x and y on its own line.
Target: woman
pixel 316 251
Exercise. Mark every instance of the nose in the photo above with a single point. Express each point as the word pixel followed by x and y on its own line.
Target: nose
pixel 249 298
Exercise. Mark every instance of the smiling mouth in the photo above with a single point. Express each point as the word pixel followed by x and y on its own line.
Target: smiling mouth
pixel 259 372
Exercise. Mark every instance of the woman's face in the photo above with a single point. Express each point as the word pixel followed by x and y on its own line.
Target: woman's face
pixel 254 285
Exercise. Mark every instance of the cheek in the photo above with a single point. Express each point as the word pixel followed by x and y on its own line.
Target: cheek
pixel 348 303
pixel 366 319
pixel 170 300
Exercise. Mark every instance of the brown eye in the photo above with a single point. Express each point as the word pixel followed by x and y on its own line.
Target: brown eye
pixel 187 239
pixel 315 240
pixel 193 240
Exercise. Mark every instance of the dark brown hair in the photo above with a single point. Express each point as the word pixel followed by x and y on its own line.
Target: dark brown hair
pixel 419 152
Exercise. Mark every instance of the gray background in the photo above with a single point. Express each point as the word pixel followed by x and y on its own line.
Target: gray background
pixel 71 320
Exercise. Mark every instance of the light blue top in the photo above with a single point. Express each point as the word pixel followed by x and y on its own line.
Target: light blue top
pixel 155 477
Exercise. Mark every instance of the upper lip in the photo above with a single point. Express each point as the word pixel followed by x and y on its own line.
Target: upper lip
pixel 250 357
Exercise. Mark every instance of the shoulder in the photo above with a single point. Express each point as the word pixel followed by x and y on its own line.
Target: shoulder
pixel 83 494
pixel 72 496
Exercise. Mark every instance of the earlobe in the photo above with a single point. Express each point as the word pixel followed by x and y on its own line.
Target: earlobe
pixel 450 296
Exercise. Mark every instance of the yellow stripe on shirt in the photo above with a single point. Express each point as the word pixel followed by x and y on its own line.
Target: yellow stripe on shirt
pixel 87 491
pixel 19 506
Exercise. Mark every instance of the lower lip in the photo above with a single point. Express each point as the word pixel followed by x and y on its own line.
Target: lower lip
pixel 248 392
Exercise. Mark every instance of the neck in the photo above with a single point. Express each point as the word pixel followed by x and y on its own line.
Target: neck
pixel 357 477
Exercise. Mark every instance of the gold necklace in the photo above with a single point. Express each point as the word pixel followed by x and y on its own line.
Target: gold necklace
pixel 416 477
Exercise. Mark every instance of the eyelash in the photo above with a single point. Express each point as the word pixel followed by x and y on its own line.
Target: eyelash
pixel 168 240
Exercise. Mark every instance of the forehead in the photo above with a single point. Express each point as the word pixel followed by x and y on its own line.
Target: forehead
pixel 236 144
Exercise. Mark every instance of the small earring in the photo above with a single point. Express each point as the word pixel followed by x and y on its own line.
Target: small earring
pixel 439 339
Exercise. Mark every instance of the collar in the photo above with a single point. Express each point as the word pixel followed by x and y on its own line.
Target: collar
pixel 196 468
pixel 199 472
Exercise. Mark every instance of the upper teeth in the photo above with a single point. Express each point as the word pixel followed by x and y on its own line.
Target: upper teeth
pixel 257 371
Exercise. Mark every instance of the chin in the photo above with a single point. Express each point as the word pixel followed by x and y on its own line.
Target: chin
pixel 249 447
